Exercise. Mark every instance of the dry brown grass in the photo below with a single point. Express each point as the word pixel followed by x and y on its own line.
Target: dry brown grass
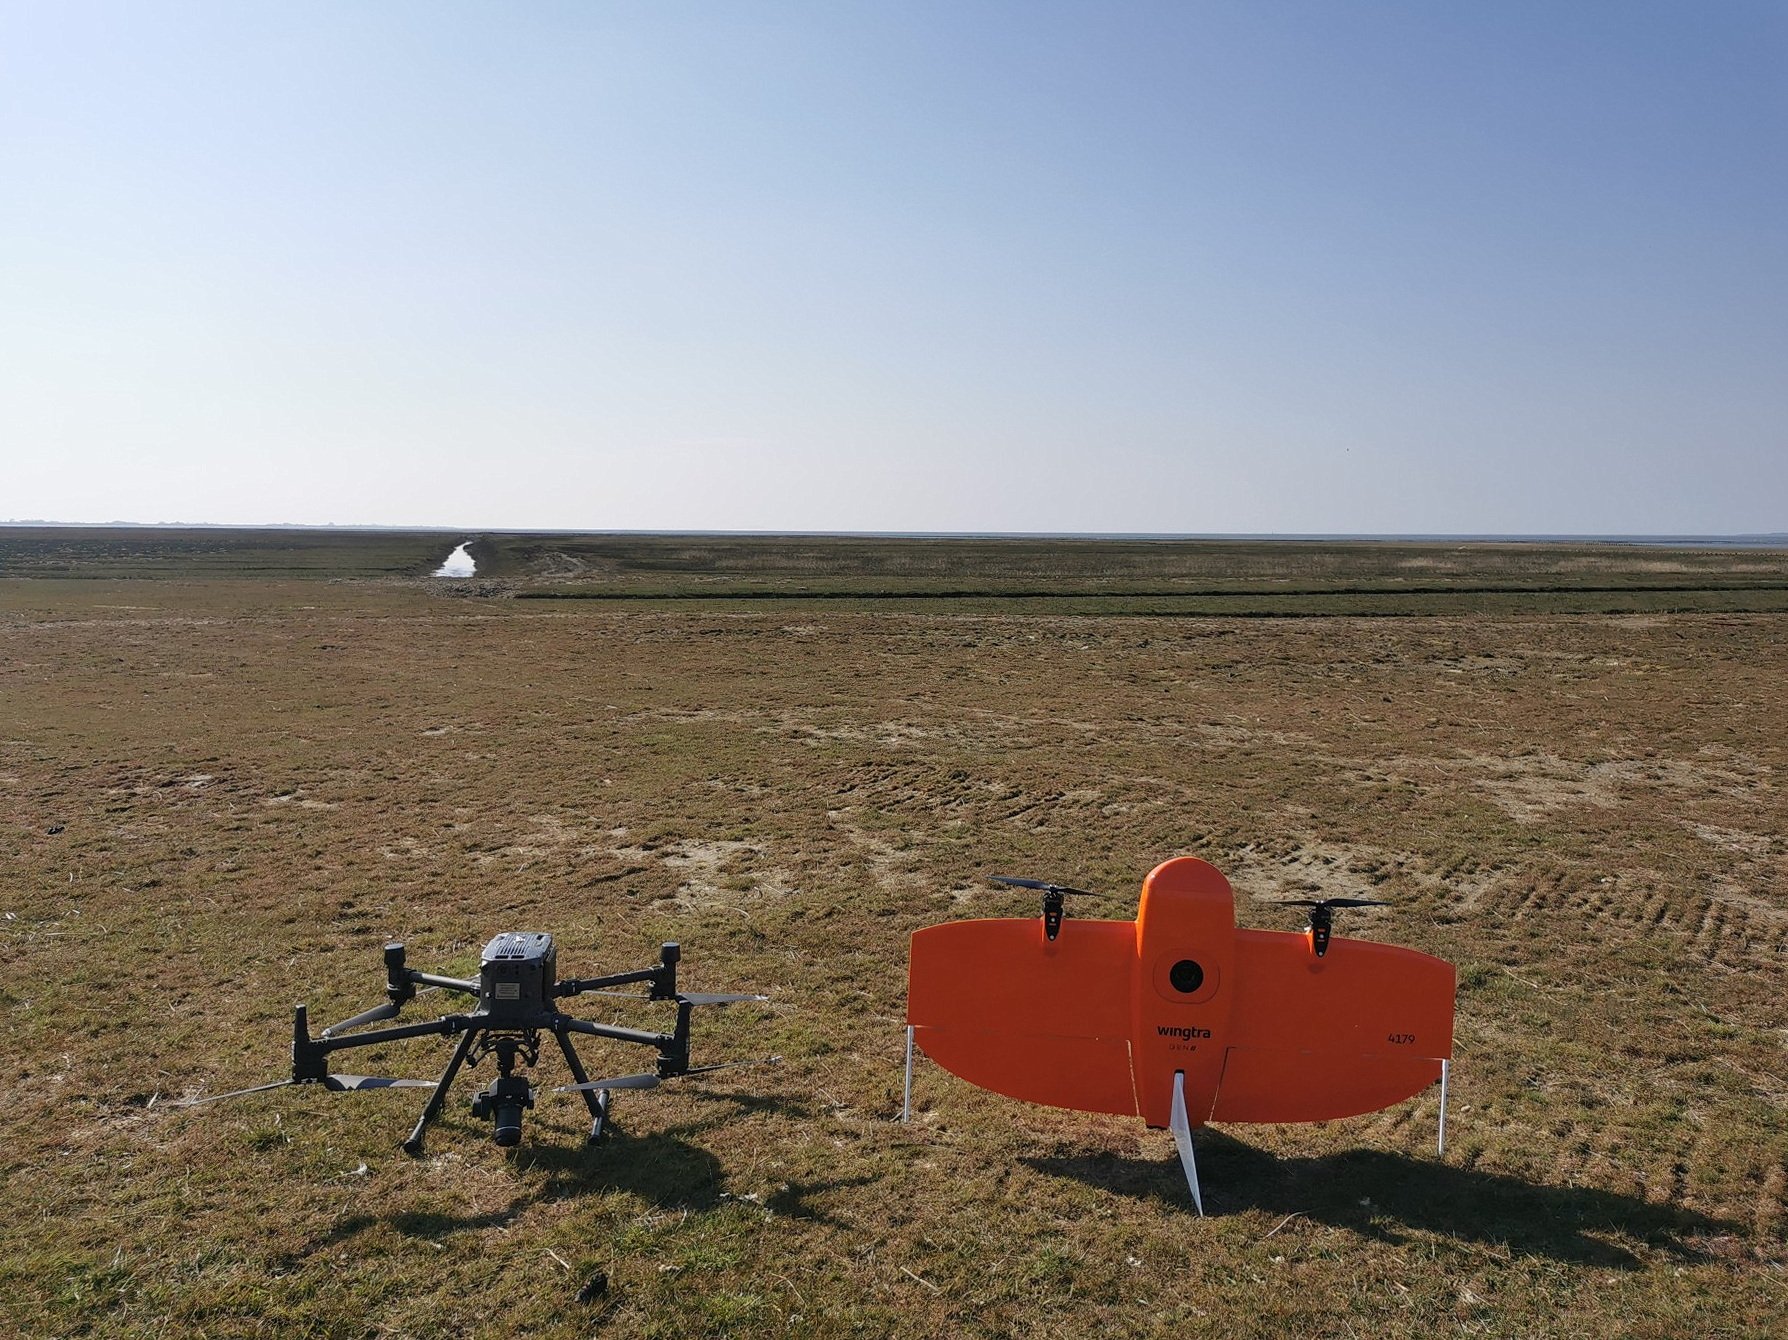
pixel 255 785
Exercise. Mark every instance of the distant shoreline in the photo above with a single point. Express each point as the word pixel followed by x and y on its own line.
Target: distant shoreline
pixel 1770 540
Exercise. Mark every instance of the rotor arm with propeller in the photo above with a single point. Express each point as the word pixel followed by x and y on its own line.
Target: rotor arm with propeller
pixel 651 1080
pixel 1322 916
pixel 673 1047
pixel 400 989
pixel 663 981
pixel 663 978
pixel 310 1058
pixel 1053 894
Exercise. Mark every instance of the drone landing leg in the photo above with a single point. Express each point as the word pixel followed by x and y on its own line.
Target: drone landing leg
pixel 413 1146
pixel 906 1102
pixel 596 1100
pixel 1182 1136
pixel 1440 1151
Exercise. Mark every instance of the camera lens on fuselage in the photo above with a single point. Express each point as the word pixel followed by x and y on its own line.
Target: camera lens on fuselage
pixel 1186 976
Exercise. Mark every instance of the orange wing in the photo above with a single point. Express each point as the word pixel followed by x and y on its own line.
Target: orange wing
pixel 999 1005
pixel 1312 1039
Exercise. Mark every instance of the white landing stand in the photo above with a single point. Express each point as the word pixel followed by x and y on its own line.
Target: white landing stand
pixel 1440 1151
pixel 906 1101
pixel 1182 1136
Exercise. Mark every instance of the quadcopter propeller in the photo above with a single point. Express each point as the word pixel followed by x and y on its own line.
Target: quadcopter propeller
pixel 333 1083
pixel 1042 886
pixel 1052 899
pixel 233 1093
pixel 1322 916
pixel 386 1011
pixel 716 998
pixel 350 1083
pixel 389 1010
pixel 647 1081
pixel 650 1081
pixel 682 997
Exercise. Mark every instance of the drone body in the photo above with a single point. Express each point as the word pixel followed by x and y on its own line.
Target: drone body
pixel 517 990
pixel 1179 1017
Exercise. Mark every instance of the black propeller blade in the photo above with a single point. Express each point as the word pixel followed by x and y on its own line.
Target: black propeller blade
pixel 715 998
pixel 1042 886
pixel 352 1083
pixel 733 1065
pixel 334 1083
pixel 653 1081
pixel 233 1093
pixel 618 1082
pixel 1331 902
pixel 692 997
pixel 377 1013
pixel 386 1011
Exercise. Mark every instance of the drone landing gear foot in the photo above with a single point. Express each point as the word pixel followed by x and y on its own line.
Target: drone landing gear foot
pixel 906 1096
pixel 1440 1147
pixel 599 1125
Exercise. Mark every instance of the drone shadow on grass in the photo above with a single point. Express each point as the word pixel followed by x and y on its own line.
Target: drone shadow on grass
pixel 661 1167
pixel 1378 1195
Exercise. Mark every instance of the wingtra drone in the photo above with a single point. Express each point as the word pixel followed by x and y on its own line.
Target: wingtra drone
pixel 1179 1017
pixel 515 992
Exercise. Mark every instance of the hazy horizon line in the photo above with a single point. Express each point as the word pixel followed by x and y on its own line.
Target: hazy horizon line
pixel 1741 538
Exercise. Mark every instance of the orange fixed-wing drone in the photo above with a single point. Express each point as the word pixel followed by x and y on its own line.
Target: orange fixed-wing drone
pixel 1179 1017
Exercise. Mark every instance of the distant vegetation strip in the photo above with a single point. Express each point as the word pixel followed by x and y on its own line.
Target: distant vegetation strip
pixel 1056 573
pixel 186 553
pixel 1228 604
pixel 994 593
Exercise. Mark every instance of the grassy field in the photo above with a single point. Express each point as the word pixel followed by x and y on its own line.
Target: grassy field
pixel 219 797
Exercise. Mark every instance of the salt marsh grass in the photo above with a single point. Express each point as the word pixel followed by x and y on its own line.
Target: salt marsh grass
pixel 220 797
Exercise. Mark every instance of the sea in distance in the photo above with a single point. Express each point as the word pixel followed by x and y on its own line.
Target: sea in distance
pixel 1771 540
pixel 1777 540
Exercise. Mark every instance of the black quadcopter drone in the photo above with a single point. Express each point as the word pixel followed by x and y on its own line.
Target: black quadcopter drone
pixel 516 989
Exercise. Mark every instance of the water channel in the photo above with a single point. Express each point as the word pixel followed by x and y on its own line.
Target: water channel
pixel 459 564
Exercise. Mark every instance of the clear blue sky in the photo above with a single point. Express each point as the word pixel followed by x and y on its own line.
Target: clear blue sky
pixel 1257 265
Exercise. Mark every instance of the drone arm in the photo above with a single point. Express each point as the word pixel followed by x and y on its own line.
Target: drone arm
pixel 643 1039
pixel 578 985
pixel 673 1048
pixel 470 988
pixel 310 1056
pixel 663 978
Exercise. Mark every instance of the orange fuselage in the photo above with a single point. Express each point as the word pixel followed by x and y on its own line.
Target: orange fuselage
pixel 1102 1017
